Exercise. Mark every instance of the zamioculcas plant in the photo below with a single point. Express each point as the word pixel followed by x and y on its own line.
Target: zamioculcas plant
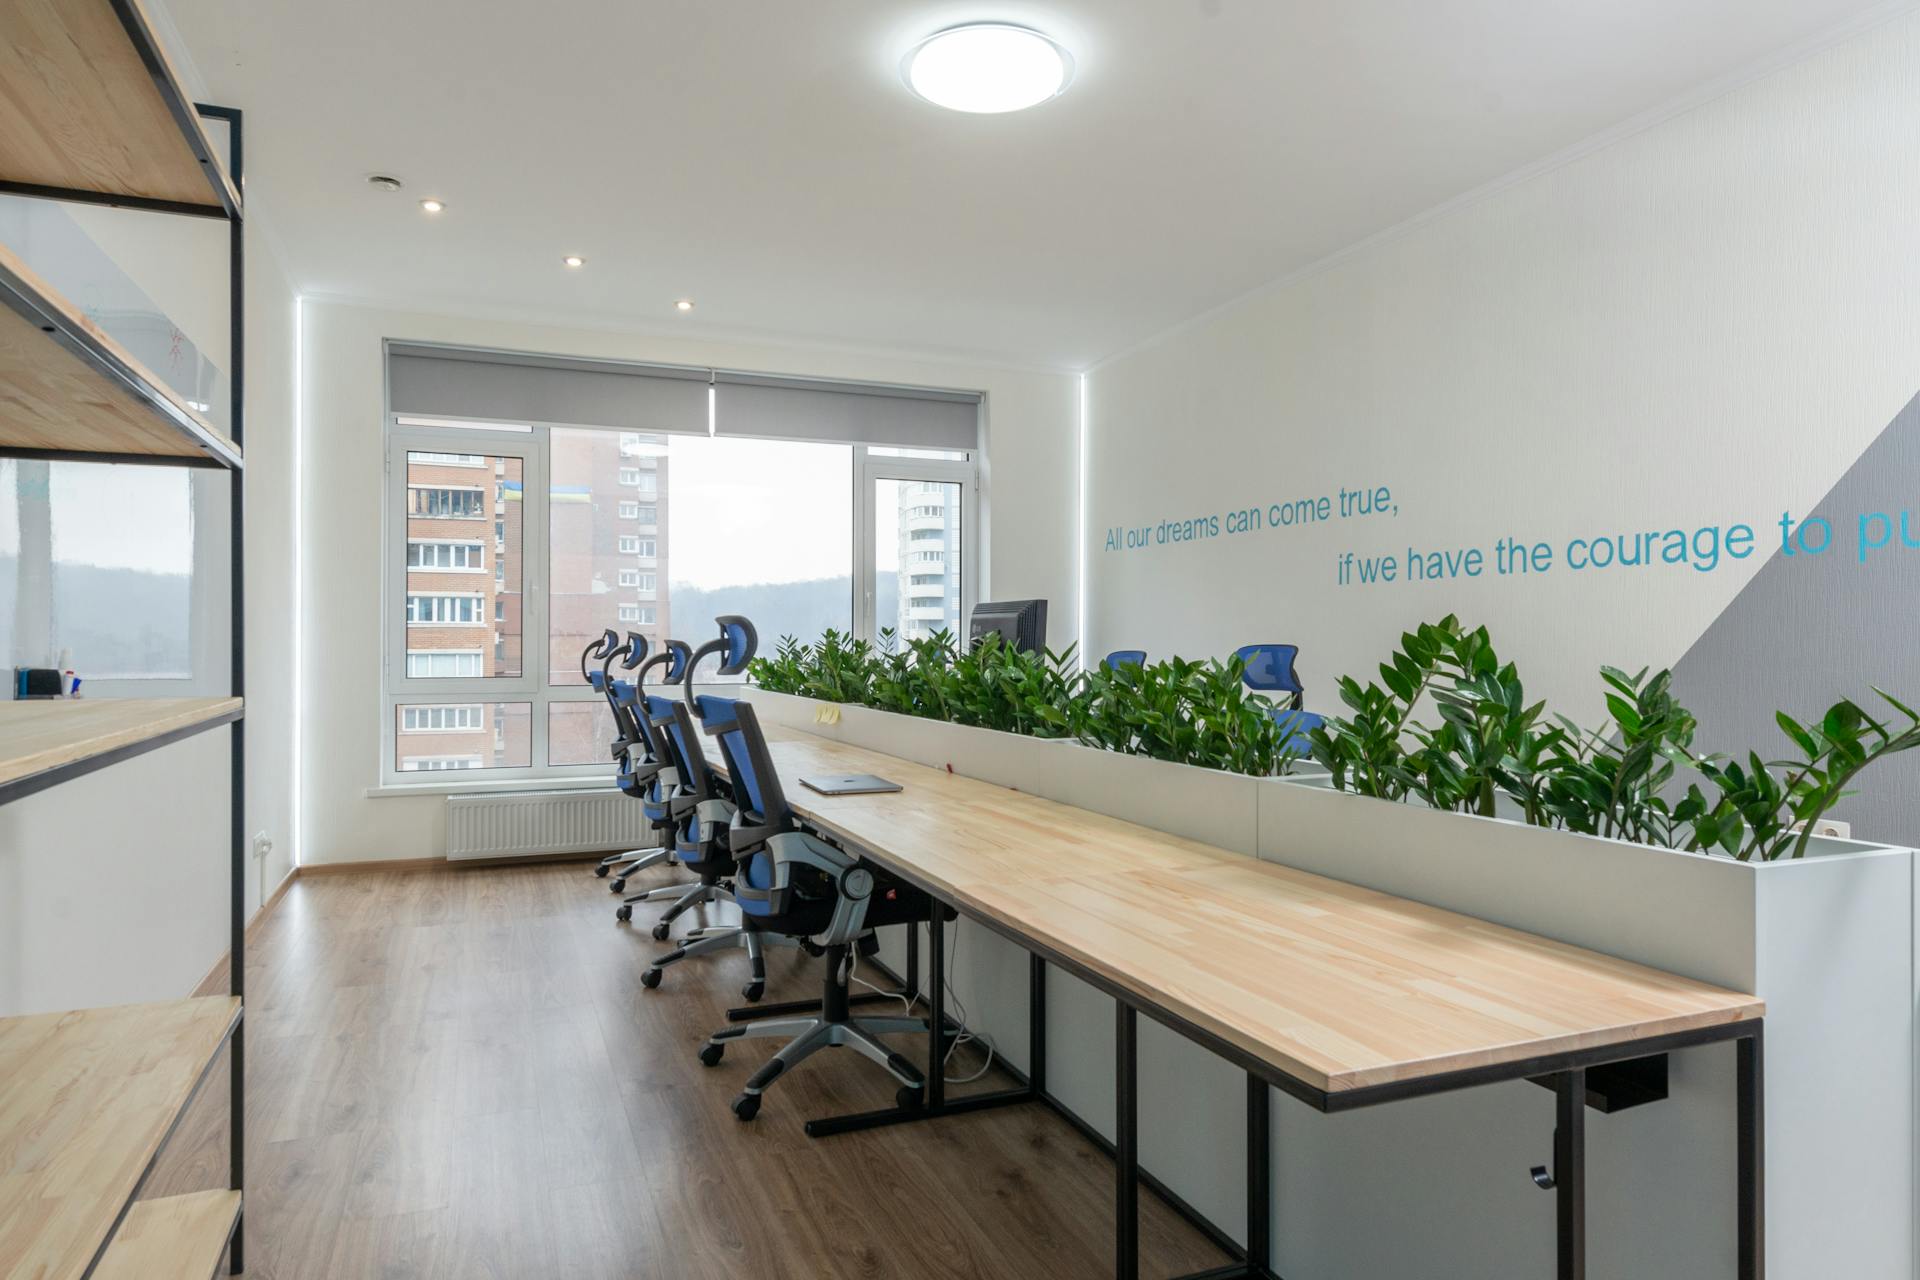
pixel 1365 751
pixel 1609 781
pixel 1759 814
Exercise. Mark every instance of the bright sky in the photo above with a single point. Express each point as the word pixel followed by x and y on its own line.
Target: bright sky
pixel 744 511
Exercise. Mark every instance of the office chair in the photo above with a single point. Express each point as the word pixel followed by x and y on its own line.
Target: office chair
pixel 703 819
pixel 1269 669
pixel 628 736
pixel 1125 658
pixel 795 884
pixel 646 770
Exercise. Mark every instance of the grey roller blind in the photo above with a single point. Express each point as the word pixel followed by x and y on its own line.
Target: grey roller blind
pixel 748 404
pixel 442 382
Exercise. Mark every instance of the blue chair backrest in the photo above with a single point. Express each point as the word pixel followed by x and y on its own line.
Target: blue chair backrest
pixel 1295 726
pixel 724 722
pixel 1125 658
pixel 1270 667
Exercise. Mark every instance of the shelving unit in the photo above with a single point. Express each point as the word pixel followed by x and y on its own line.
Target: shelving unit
pixel 42 744
pixel 93 113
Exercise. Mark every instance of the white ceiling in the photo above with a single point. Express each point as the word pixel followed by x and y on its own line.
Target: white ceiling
pixel 763 157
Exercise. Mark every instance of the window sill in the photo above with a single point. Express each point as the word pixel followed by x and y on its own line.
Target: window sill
pixel 499 786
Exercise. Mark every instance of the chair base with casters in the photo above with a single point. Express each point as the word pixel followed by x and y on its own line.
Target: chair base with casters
pixel 834 1028
pixel 685 898
pixel 723 938
pixel 636 860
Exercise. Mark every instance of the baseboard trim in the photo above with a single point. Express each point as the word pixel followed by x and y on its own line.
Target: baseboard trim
pixel 216 980
pixel 375 864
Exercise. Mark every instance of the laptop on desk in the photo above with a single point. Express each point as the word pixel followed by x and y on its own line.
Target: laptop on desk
pixel 849 784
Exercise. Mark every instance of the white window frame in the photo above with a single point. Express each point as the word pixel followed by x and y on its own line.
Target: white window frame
pixel 629 544
pixel 871 467
pixel 629 577
pixel 450 488
pixel 452 653
pixel 631 613
pixel 629 510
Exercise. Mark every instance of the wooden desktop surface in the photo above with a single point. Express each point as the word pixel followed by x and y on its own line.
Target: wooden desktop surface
pixel 1337 986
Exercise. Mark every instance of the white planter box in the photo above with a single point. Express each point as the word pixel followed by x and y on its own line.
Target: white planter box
pixel 1826 941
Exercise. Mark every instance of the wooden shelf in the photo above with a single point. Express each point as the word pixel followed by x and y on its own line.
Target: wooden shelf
pixel 90 1097
pixel 69 389
pixel 172 1238
pixel 93 105
pixel 47 742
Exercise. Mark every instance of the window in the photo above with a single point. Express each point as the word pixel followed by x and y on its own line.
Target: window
pixel 453 459
pixel 455 557
pixel 108 561
pixel 488 680
pixel 447 504
pixel 443 664
pixel 425 611
pixel 453 718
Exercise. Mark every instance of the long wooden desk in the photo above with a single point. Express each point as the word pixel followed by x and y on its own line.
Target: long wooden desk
pixel 1339 995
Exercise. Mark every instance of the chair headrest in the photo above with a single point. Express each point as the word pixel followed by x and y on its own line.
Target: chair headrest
pixel 1270 667
pixel 742 643
pixel 637 649
pixel 678 655
pixel 1125 658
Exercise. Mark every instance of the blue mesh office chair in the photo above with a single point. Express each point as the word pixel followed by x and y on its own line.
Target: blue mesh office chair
pixel 645 765
pixel 1125 658
pixel 703 817
pixel 795 884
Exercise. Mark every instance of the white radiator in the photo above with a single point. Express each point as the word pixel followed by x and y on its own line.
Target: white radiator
pixel 511 826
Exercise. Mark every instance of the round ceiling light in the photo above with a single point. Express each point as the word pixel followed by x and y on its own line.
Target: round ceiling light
pixel 988 67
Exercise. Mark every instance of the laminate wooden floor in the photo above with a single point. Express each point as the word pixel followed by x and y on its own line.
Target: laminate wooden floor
pixel 457 1074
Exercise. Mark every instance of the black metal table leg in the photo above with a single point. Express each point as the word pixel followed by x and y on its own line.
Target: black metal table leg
pixel 1259 1177
pixel 1570 1173
pixel 1036 1024
pixel 1126 1145
pixel 936 1013
pixel 1750 1107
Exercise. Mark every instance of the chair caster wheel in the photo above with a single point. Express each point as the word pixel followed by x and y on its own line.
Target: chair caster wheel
pixel 602 870
pixel 710 1054
pixel 624 913
pixel 812 948
pixel 650 979
pixel 660 931
pixel 746 1106
pixel 909 1098
pixel 753 991
pixel 618 886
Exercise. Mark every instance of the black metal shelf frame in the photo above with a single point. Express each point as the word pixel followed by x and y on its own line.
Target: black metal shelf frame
pixel 226 185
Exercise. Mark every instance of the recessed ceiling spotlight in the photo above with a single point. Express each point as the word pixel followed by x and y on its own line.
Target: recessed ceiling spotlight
pixel 988 67
pixel 382 182
pixel 433 206
pixel 574 260
pixel 685 304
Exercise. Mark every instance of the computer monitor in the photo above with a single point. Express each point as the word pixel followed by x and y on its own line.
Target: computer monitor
pixel 1021 623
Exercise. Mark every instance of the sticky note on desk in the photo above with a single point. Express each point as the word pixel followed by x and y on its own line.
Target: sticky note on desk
pixel 826 715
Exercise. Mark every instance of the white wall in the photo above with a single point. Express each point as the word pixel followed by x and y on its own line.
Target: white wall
pixel 1709 320
pixel 1706 321
pixel 1028 501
